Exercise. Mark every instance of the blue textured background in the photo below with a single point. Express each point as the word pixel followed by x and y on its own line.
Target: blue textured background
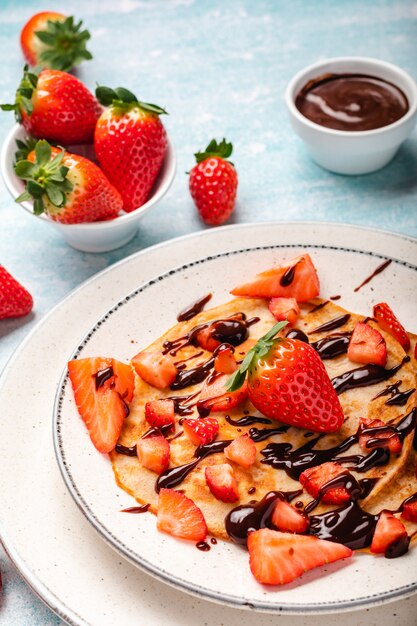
pixel 220 68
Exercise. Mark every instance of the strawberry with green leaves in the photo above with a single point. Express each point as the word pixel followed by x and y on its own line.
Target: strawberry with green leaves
pixel 52 40
pixel 287 381
pixel 130 143
pixel 56 106
pixel 213 183
pixel 68 188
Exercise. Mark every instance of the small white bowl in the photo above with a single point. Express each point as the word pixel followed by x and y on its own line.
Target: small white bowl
pixel 95 236
pixel 353 152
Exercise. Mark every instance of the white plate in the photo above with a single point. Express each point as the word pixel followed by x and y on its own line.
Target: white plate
pixel 144 315
pixel 48 538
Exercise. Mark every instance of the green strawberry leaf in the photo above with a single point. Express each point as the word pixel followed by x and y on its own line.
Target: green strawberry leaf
pixel 121 98
pixel 43 152
pixel 24 169
pixel 66 44
pixel 214 149
pixel 260 349
pixel 24 197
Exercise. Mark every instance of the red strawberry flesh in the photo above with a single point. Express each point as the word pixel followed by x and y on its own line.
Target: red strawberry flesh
pixel 222 483
pixel 179 516
pixel 367 345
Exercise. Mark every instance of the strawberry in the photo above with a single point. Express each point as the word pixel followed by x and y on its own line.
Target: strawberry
pixel 222 483
pixel 207 337
pixel 242 451
pixel 389 530
pixel 160 413
pixel 409 511
pixel 285 309
pixel 68 188
pixel 155 368
pixel 213 183
pixel 55 106
pixel 15 300
pixel 384 437
pixel 201 431
pixel 180 516
pixel 287 381
pixel 130 143
pixel 99 394
pixel 153 453
pixel 52 40
pixel 278 558
pixel 367 345
pixel 314 478
pixel 215 397
pixel 296 279
pixel 388 322
pixel 288 519
pixel 224 361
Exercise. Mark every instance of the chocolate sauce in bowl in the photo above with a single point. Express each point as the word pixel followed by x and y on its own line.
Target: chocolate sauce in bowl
pixel 351 102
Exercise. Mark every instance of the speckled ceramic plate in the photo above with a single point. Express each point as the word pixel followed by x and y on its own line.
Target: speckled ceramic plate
pixel 343 257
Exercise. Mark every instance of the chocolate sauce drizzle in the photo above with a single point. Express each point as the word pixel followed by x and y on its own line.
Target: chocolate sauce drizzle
pixel 288 276
pixel 102 376
pixel 398 398
pixel 364 376
pixel 193 309
pixel 136 509
pixel 247 420
pixel 377 271
pixel 260 434
pixel 319 306
pixel 328 347
pixel 332 324
pixel 127 451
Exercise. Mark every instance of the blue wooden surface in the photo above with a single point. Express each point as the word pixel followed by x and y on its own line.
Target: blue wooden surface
pixel 220 68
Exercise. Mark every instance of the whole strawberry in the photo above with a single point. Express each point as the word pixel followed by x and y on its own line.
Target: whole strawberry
pixel 52 40
pixel 15 300
pixel 68 188
pixel 288 382
pixel 55 106
pixel 130 143
pixel 213 183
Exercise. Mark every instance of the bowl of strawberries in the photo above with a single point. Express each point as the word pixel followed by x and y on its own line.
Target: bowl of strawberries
pixel 91 166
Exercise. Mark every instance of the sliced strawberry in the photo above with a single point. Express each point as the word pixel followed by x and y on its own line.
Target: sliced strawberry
pixel 367 345
pixel 124 379
pixel 224 361
pixel 284 309
pixel 389 529
pixel 297 279
pixel 222 483
pixel 288 519
pixel 278 558
pixel 314 478
pixel 102 408
pixel 205 339
pixel 153 453
pixel 214 397
pixel 180 516
pixel 375 433
pixel 241 451
pixel 409 511
pixel 160 413
pixel 388 322
pixel 201 431
pixel 155 368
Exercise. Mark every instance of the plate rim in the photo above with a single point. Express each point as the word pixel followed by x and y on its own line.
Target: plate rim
pixel 49 597
pixel 118 544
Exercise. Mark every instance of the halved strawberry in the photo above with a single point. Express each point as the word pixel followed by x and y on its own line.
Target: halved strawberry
pixel 224 361
pixel 214 396
pixel 180 516
pixel 101 407
pixel 124 379
pixel 160 412
pixel 277 558
pixel 389 529
pixel 288 519
pixel 284 309
pixel 367 345
pixel 153 453
pixel 378 434
pixel 314 478
pixel 297 279
pixel 388 322
pixel 201 431
pixel 222 483
pixel 409 511
pixel 155 368
pixel 205 340
pixel 241 451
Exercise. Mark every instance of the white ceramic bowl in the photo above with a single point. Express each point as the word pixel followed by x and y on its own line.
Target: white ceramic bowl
pixel 353 152
pixel 95 236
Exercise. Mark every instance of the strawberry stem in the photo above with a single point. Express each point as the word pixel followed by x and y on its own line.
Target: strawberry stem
pixel 260 349
pixel 121 98
pixel 214 149
pixel 66 44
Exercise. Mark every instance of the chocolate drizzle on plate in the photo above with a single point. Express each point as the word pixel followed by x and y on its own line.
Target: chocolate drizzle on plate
pixel 332 346
pixel 193 309
pixel 136 509
pixel 398 398
pixel 336 322
pixel 377 271
pixel 247 420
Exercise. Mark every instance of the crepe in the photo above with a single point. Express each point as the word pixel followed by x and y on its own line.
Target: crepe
pixel 261 478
